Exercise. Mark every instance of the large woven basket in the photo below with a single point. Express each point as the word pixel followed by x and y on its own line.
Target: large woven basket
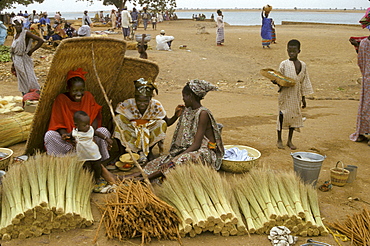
pixel 339 175
pixel 278 77
pixel 4 163
pixel 241 166
pixel 116 72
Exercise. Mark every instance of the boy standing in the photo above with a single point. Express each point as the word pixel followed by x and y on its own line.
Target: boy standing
pixel 292 98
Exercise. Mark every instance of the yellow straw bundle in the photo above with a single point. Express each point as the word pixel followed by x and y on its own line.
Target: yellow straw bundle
pixel 15 129
pixel 36 197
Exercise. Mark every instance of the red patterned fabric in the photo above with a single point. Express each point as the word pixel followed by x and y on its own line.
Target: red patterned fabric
pixel 79 72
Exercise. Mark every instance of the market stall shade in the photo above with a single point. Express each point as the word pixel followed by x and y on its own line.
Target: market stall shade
pixel 36 201
pixel 116 73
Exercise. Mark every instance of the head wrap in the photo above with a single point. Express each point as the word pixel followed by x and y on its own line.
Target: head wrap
pixel 18 18
pixel 365 20
pixel 201 87
pixel 79 72
pixel 145 88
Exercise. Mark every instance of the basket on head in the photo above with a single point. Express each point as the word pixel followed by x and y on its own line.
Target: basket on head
pixel 278 77
pixel 241 166
pixel 4 162
pixel 267 8
pixel 339 175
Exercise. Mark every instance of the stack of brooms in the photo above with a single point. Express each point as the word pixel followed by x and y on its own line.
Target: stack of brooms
pixel 269 198
pixel 202 199
pixel 251 203
pixel 45 194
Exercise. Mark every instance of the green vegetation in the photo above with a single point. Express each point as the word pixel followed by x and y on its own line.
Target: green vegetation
pixel 5 54
pixel 6 4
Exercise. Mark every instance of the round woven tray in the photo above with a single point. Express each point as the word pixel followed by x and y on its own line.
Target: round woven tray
pixel 278 77
pixel 241 166
pixel 4 163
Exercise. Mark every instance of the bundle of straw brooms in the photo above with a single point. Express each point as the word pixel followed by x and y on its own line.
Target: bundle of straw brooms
pixel 203 201
pixel 45 194
pixel 269 198
pixel 251 203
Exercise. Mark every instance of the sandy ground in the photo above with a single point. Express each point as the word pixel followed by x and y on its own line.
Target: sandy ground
pixel 247 106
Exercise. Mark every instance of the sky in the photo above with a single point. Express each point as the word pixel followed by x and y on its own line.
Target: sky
pixel 73 6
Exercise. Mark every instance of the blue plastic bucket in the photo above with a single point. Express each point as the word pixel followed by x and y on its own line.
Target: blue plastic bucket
pixel 308 165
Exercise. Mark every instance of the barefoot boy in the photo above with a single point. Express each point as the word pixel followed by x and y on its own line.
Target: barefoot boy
pixel 292 98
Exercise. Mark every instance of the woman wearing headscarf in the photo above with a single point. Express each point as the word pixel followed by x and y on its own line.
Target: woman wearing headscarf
pixel 197 136
pixel 61 121
pixel 143 120
pixel 21 51
pixel 363 116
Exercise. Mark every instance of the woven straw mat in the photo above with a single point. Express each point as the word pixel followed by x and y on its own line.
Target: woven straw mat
pixel 116 73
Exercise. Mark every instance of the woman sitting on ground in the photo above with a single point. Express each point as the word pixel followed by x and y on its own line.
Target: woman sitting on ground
pixel 196 137
pixel 61 123
pixel 143 120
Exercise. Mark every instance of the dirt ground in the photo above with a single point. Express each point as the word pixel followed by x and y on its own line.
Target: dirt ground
pixel 247 106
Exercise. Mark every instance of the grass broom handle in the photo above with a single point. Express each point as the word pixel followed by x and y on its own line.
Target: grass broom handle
pixel 145 176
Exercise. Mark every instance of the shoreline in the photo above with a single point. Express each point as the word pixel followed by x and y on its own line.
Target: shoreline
pixel 277 10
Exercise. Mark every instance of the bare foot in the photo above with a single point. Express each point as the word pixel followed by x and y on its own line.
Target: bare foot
pixel 280 145
pixel 291 146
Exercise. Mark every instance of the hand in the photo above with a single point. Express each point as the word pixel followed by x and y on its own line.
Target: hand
pixel 304 102
pixel 144 35
pixel 66 136
pixel 12 70
pixel 110 143
pixel 179 109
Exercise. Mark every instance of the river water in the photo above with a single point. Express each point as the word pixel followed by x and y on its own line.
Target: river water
pixel 249 18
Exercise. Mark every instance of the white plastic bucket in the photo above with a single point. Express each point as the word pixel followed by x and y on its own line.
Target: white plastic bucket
pixel 308 165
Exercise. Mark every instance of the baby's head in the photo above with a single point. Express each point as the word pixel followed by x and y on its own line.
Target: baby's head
pixel 82 121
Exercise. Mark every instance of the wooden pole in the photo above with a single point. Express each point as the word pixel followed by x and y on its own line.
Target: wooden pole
pixel 145 176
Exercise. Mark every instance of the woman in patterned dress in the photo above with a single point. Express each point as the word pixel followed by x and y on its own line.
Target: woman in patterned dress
pixel 197 136
pixel 363 116
pixel 143 120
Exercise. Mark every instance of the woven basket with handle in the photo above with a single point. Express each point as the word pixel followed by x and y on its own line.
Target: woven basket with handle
pixel 339 175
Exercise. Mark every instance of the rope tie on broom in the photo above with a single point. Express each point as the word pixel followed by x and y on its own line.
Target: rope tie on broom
pixel 20 126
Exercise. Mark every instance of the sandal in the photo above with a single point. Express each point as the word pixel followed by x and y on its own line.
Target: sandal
pixel 100 184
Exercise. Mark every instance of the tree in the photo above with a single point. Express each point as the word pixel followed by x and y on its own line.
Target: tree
pixel 152 4
pixel 162 6
pixel 6 4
